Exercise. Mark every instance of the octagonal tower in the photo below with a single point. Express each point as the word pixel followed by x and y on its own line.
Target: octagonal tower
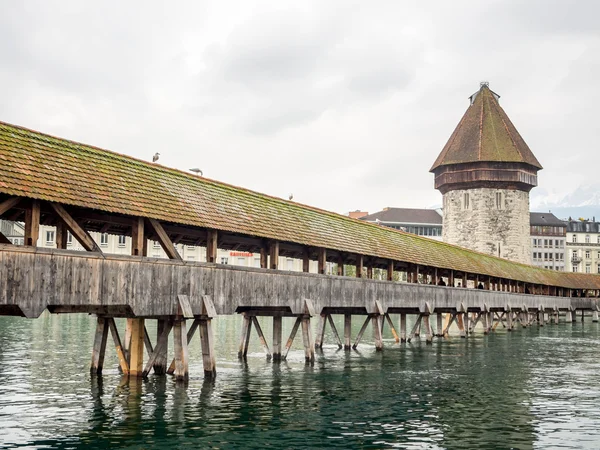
pixel 485 173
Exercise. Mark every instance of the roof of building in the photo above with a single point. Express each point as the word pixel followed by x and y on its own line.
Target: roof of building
pixel 406 215
pixel 485 134
pixel 43 167
pixel 547 219
pixel 583 226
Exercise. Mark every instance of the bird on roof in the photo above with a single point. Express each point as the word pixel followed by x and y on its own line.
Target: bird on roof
pixel 155 157
pixel 196 171
pixel 291 197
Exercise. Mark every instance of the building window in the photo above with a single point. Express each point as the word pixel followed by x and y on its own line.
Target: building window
pixel 557 243
pixel 588 268
pixel 598 239
pixel 587 254
pixel 499 202
pixel 104 240
pixel 69 238
pixel 256 262
pixel 598 268
pixel 466 202
pixel 574 268
pixel 587 238
pixel 121 241
pixel 289 264
pixel 50 234
pixel 156 244
pixel 574 239
pixel 190 257
pixel 224 260
pixel 545 243
pixel 575 254
pixel 241 262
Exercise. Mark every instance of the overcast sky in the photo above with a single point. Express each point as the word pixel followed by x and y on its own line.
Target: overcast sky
pixel 344 104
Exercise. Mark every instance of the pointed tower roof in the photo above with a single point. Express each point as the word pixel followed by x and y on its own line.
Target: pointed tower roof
pixel 485 134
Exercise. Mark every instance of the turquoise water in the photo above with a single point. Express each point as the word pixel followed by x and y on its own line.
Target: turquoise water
pixel 533 388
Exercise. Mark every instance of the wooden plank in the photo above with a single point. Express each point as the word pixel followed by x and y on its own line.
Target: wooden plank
pixel 261 336
pixel 138 239
pixel 335 331
pixel 415 328
pixel 320 331
pixel 147 342
pixel 428 333
pixel 9 204
pixel 32 223
pixel 99 349
pixel 136 349
pixel 208 307
pixel 162 343
pixel 290 340
pixel 359 265
pixel 305 260
pixel 118 347
pixel 211 246
pixel 164 240
pixel 4 239
pixel 208 350
pixel 264 257
pixel 160 362
pixel 76 230
pixel 377 322
pixel 322 260
pixel 390 271
pixel 185 309
pixel 403 327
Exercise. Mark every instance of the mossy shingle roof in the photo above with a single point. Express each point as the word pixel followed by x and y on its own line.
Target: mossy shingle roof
pixel 40 166
pixel 485 134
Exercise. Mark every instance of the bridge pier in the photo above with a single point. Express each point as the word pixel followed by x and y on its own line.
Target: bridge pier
pixel 574 316
pixel 402 327
pixel 347 332
pixel 99 348
pixel 595 316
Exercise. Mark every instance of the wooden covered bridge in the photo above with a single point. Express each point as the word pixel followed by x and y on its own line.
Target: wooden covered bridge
pixel 79 189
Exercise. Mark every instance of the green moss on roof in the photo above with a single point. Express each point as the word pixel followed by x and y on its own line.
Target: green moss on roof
pixel 39 166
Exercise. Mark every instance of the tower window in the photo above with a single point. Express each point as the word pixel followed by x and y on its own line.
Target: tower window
pixel 499 203
pixel 466 202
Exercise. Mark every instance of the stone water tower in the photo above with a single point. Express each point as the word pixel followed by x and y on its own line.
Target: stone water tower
pixel 485 173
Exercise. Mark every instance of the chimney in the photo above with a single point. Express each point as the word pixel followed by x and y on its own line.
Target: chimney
pixel 357 214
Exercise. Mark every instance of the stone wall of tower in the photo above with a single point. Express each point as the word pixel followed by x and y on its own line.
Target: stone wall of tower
pixel 492 221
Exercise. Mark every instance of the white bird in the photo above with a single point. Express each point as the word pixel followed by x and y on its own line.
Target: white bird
pixel 196 171
pixel 155 157
pixel 291 197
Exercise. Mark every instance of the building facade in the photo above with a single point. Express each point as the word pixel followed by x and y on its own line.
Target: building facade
pixel 548 236
pixel 583 246
pixel 422 222
pixel 485 173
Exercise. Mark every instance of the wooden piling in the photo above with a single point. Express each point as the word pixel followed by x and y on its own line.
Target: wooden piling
pixel 309 348
pixel 377 322
pixel 99 348
pixel 347 331
pixel 181 350
pixel 277 336
pixel 428 333
pixel 261 336
pixel 290 340
pixel 245 337
pixel 595 316
pixel 160 364
pixel 334 330
pixel 440 325
pixel 136 349
pixel 403 327
pixel 360 333
pixel 208 351
pixel 320 331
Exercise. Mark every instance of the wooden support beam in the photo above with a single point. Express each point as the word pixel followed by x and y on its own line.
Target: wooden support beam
pixel 340 267
pixel 320 330
pixel 322 260
pixel 99 349
pixel 148 342
pixel 136 349
pixel 245 337
pixel 162 344
pixel 138 239
pixel 359 266
pixel 440 326
pixel 347 331
pixel 181 350
pixel 391 324
pixel 403 327
pixel 212 239
pixel 309 347
pixel 305 260
pixel 428 333
pixel 4 239
pixel 208 349
pixel 377 322
pixel 261 336
pixel 160 361
pixel 450 319
pixel 361 332
pixel 264 256
pixel 164 240
pixel 32 223
pixel 334 330
pixel 290 340
pixel 62 235
pixel 277 336
pixel 190 336
pixel 9 204
pixel 76 230
pixel 461 325
pixel 415 327
pixel 369 272
pixel 390 271
pixel 118 347
pixel 274 255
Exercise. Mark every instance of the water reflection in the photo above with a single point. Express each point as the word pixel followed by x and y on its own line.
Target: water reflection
pixel 532 388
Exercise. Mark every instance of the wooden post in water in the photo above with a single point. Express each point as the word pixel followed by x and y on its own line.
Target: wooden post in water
pixel 574 316
pixel 245 338
pixel 428 334
pixel 309 348
pixel 99 349
pixel 595 315
pixel 402 327
pixel 320 330
pixel 347 331
pixel 160 364
pixel 181 349
pixel 440 325
pixel 377 322
pixel 460 324
pixel 136 349
pixel 277 336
